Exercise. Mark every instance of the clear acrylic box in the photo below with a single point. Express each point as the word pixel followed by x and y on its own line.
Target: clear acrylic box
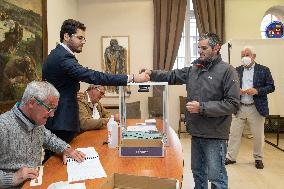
pixel 144 119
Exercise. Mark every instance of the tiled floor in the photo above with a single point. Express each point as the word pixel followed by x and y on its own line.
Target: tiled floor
pixel 243 174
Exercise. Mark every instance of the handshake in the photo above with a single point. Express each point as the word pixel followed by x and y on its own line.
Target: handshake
pixel 143 76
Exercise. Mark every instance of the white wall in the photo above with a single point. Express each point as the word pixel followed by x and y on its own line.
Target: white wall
pixel 243 17
pixel 57 12
pixel 242 21
pixel 133 18
pixel 268 53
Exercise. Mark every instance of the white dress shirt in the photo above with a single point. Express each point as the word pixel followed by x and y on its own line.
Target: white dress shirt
pixel 96 114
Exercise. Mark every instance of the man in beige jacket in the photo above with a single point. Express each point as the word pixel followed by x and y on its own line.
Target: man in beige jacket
pixel 92 114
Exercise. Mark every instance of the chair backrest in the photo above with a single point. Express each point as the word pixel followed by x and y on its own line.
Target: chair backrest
pixel 182 103
pixel 272 123
pixel 6 105
pixel 133 110
pixel 155 106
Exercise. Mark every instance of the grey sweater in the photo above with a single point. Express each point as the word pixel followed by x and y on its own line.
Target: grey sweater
pixel 21 144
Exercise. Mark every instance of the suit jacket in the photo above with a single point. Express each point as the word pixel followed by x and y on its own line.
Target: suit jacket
pixel 87 122
pixel 263 83
pixel 62 69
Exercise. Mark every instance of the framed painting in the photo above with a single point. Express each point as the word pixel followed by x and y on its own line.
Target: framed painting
pixel 115 58
pixel 23 45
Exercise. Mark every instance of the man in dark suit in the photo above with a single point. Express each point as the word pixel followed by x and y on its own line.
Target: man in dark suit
pixel 255 83
pixel 62 69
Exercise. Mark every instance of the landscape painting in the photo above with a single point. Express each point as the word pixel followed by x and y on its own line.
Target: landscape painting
pixel 23 45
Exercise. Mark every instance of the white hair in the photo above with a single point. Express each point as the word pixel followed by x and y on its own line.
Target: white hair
pixel 40 90
pixel 250 48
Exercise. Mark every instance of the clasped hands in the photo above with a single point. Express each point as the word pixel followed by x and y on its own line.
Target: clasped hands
pixel 250 91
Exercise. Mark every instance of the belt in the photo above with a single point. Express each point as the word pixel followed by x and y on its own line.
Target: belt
pixel 247 104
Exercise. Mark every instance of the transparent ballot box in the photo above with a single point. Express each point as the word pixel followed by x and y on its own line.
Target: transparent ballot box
pixel 144 122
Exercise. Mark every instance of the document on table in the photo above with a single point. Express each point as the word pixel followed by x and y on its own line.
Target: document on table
pixel 91 168
pixel 66 185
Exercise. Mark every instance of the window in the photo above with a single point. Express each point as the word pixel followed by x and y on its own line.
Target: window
pixel 188 48
pixel 275 13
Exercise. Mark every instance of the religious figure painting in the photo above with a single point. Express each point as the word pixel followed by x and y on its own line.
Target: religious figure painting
pixel 23 45
pixel 115 58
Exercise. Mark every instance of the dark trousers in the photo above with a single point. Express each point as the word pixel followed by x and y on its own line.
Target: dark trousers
pixel 67 136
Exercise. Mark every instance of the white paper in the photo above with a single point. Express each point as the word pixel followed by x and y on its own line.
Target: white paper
pixel 91 168
pixel 150 121
pixel 66 185
pixel 144 128
pixel 38 180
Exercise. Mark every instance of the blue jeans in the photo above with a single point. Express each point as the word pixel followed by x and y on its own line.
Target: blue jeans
pixel 208 163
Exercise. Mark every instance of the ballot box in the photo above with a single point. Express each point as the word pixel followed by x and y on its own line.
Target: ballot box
pixel 144 123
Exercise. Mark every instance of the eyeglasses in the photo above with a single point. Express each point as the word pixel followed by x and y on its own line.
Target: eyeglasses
pixel 101 92
pixel 81 38
pixel 48 108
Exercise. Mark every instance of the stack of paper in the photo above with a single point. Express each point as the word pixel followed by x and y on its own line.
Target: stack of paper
pixel 143 128
pixel 91 168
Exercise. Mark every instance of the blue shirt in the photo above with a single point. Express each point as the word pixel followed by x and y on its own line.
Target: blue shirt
pixel 247 83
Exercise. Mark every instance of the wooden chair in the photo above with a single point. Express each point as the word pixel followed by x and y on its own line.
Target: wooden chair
pixel 155 106
pixel 182 102
pixel 274 124
pixel 133 110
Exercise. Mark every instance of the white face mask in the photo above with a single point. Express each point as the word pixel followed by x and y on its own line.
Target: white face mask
pixel 246 60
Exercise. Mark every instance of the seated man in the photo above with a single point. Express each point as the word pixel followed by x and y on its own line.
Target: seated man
pixel 92 114
pixel 23 135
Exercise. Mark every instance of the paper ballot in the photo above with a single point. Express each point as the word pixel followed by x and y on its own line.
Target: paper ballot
pixel 142 128
pixel 38 180
pixel 91 168
pixel 66 185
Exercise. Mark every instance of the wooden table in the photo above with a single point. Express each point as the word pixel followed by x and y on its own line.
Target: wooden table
pixel 171 166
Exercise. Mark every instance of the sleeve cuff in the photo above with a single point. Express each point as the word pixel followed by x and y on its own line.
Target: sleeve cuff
pixel 202 108
pixel 67 146
pixel 7 179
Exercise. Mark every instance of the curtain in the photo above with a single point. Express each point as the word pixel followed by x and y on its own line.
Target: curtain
pixel 169 18
pixel 209 16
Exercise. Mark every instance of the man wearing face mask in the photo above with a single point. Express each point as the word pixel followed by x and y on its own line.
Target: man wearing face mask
pixel 255 83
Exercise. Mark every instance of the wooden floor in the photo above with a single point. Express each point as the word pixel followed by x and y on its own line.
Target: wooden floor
pixel 243 174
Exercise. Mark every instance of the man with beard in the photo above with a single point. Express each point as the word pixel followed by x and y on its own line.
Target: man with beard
pixel 63 70
pixel 212 97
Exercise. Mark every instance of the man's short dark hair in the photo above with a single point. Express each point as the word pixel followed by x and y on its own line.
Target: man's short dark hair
pixel 70 26
pixel 213 39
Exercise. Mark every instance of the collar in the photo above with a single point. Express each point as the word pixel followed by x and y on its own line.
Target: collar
pixel 207 65
pixel 91 105
pixel 28 124
pixel 88 97
pixel 250 68
pixel 67 48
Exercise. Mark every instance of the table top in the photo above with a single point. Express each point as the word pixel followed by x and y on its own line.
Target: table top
pixel 170 166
